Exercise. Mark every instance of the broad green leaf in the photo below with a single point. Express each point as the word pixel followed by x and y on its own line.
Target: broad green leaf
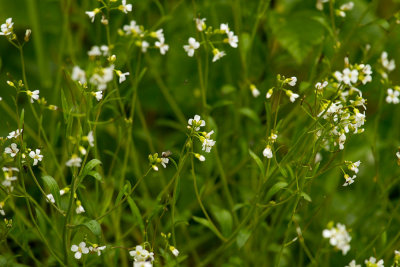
pixel 275 189
pixel 93 226
pixel 224 219
pixel 242 237
pixel 205 223
pixel 306 196
pixel 258 161
pixel 52 186
pixel 95 175
pixel 88 167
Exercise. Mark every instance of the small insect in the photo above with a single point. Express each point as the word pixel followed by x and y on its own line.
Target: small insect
pixel 166 154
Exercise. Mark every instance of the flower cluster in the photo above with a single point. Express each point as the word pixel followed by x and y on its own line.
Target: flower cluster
pixel 338 237
pixel 123 7
pixel 9 177
pixel 281 83
pixel 352 166
pixel 83 249
pixel 207 34
pixel 271 140
pixel 194 126
pixel 341 11
pixel 372 262
pixel 142 257
pixel 7 29
pixel 155 160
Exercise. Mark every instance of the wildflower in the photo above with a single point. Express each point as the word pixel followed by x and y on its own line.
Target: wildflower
pixel 342 140
pixel 371 262
pixel 79 250
pixel 207 144
pixel 347 6
pixel 349 180
pixel 79 208
pixel 90 138
pixel 142 264
pixel 292 96
pixel 390 65
pixel 200 24
pixel 199 157
pixel 164 159
pixel 232 39
pixel 94 51
pixel 51 198
pixel 196 122
pixel 141 255
pixel 191 47
pixel 366 73
pixel 347 76
pixel 398 155
pixel 105 50
pixel 292 81
pixel 321 86
pixel 338 237
pixel 12 150
pixel 217 54
pixel 92 14
pixel 174 251
pixel 82 150
pixel 7 28
pixel 95 248
pixel 98 95
pixel 269 93
pixel 74 161
pixel 318 157
pixel 102 77
pixel 78 75
pixel 34 95
pixel 162 46
pixel 1 209
pixel 393 96
pixel 254 90
pixel 267 152
pixel 125 7
pixel 353 264
pixel 353 166
pixel 132 28
pixel 64 191
pixel 144 46
pixel 122 76
pixel 36 156
pixel 15 134
pixel 224 28
pixel 159 34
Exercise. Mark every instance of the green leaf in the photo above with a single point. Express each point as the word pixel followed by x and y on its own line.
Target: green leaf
pixel 275 189
pixel 224 219
pixel 88 167
pixel 258 161
pixel 136 213
pixel 205 223
pixel 242 237
pixel 95 175
pixel 249 113
pixel 93 226
pixel 306 196
pixel 52 186
pixel 64 105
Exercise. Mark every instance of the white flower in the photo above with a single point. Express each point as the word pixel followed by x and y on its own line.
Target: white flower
pixel 1 209
pixel 92 14
pixel 142 264
pixel 90 138
pixel 269 93
pixel 347 6
pixel 367 71
pixel 267 152
pixel 51 198
pixel 74 161
pixel 217 54
pixel 232 39
pixel 102 77
pixel 199 157
pixel 191 47
pixel 132 28
pixel 371 262
pixel 12 150
pixel 79 208
pixel 338 237
pixel 36 156
pixel 353 264
pixel 94 51
pixel 342 140
pixel 321 86
pixel 125 7
pixel 79 250
pixel 78 75
pixel 15 134
pixel 105 49
pixel 164 161
pixel 353 166
pixel 196 122
pixel 349 180
pixel 398 155
pixel 144 46
pixel 350 76
pixel 200 24
pixel 254 90
pixel 159 34
pixel 318 157
pixel 96 248
pixel 292 81
pixel 174 251
pixel 7 28
pixel 122 76
pixel 393 96
pixel 34 95
pixel 224 28
pixel 208 144
pixel 162 46
pixel 390 65
pixel 292 96
pixel 141 255
pixel 98 95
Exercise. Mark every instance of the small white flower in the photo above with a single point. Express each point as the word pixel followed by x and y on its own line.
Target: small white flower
pixel 122 76
pixel 199 157
pixel 342 140
pixel 267 152
pixel 142 264
pixel 371 262
pixel 338 237
pixel 90 138
pixel 92 14
pixel 353 166
pixel 74 161
pixel 200 24
pixel 321 86
pixel 51 198
pixel 207 144
pixel 36 156
pixel 34 95
pixel 141 255
pixel 269 93
pixel 132 28
pixel 292 81
pixel 224 28
pixel 217 54
pixel 12 150
pixel 125 7
pixel 393 96
pixel 94 51
pixel 78 75
pixel 196 122
pixel 79 250
pixel 255 92
pixel 95 248
pixel 347 6
pixel 292 96
pixel 15 134
pixel 144 46
pixel 353 264
pixel 390 65
pixel 7 28
pixel 174 251
pixel 398 155
pixel 159 34
pixel 79 208
pixel 162 46
pixel 191 47
pixel 349 180
pixel 105 50
pixel 350 76
pixel 164 161
pixel 98 95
